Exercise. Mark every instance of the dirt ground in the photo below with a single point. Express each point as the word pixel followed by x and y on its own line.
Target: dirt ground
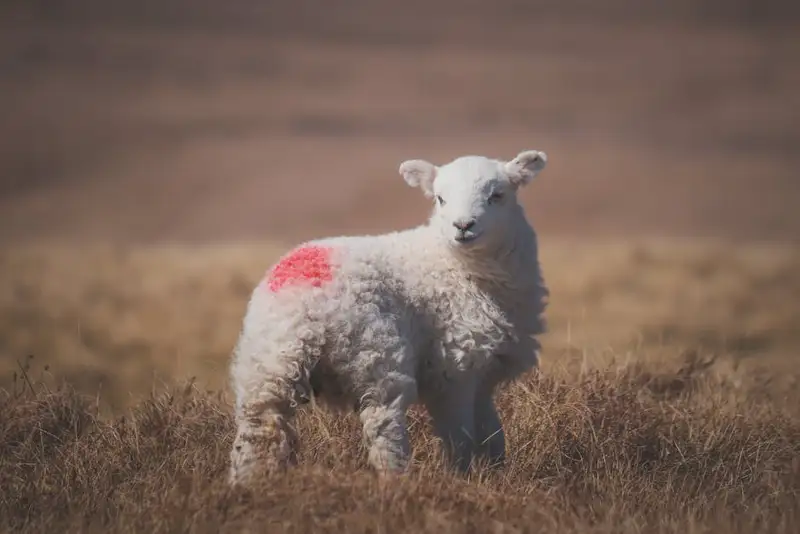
pixel 205 121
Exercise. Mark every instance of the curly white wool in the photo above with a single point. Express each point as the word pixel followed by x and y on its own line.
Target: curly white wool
pixel 439 314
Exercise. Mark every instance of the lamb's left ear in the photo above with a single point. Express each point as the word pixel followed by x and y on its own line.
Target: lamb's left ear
pixel 525 166
pixel 419 173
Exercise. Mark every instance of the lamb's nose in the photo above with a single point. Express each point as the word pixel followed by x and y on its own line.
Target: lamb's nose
pixel 464 225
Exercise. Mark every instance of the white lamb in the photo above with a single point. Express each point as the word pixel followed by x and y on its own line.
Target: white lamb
pixel 439 314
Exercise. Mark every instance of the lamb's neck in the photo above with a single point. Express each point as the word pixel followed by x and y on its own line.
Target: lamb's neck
pixel 512 264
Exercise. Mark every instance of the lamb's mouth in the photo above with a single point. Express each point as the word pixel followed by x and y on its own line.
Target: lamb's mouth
pixel 466 238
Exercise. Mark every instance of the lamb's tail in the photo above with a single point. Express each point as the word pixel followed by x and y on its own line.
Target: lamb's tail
pixel 269 387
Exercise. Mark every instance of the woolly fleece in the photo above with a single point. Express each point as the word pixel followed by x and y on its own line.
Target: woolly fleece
pixel 440 314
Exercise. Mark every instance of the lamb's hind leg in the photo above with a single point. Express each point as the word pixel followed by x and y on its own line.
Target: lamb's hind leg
pixel 268 391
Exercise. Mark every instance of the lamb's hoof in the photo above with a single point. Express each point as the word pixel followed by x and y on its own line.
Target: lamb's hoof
pixel 260 455
pixel 249 473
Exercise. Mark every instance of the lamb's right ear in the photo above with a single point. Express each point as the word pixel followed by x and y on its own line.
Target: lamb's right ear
pixel 419 173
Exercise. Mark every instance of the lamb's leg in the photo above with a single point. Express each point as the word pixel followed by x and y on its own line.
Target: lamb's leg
pixel 506 366
pixel 383 415
pixel 268 391
pixel 386 390
pixel 489 435
pixel 265 441
pixel 453 413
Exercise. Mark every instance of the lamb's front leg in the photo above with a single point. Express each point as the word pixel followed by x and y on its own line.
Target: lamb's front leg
pixel 489 434
pixel 383 415
pixel 453 412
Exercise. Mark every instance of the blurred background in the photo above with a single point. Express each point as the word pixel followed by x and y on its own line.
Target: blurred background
pixel 204 120
pixel 156 156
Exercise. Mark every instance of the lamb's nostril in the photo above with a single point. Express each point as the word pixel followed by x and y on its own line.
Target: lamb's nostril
pixel 464 225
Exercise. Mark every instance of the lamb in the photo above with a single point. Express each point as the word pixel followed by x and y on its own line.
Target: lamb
pixel 442 314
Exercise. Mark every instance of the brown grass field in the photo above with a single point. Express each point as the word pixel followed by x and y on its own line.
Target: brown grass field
pixel 156 156
pixel 667 401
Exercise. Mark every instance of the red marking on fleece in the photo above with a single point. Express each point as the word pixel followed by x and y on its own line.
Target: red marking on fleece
pixel 305 264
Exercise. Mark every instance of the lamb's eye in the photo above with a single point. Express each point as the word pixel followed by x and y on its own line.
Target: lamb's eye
pixel 494 197
pixel 440 200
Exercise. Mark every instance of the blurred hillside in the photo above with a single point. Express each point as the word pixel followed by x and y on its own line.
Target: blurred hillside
pixel 212 121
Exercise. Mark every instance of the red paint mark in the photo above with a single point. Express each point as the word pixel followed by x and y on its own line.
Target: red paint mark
pixel 305 264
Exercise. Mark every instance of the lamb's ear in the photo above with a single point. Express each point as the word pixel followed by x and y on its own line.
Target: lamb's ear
pixel 419 173
pixel 522 169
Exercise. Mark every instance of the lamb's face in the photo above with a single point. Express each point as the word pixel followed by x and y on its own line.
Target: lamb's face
pixel 472 196
pixel 475 197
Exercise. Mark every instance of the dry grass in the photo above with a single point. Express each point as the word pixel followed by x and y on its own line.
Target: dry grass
pixel 667 402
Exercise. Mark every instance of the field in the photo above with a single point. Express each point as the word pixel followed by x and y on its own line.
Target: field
pixel 667 401
pixel 156 157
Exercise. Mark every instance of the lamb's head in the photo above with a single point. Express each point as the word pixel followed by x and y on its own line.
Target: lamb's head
pixel 475 197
